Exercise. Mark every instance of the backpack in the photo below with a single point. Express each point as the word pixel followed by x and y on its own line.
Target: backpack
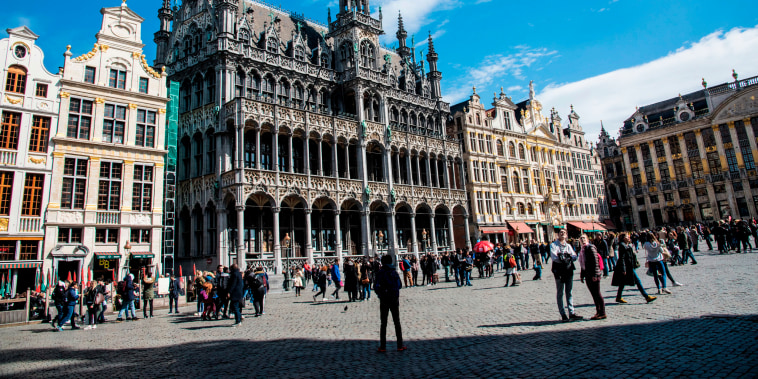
pixel 401 265
pixel 223 283
pixel 257 281
pixel 121 287
pixel 59 294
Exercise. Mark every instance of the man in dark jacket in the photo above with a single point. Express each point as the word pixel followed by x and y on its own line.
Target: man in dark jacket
pixel 127 298
pixel 236 294
pixel 173 294
pixel 222 291
pixel 387 288
pixel 71 299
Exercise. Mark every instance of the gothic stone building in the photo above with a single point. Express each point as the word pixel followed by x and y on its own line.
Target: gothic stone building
pixel 690 158
pixel 301 141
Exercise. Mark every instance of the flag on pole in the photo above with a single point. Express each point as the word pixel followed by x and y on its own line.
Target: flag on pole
pixel 37 281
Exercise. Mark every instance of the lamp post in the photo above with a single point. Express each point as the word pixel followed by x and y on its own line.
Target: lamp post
pixel 287 277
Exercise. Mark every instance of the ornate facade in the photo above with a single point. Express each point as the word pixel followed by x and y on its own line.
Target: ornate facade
pixel 303 141
pixel 106 201
pixel 29 114
pixel 691 158
pixel 528 173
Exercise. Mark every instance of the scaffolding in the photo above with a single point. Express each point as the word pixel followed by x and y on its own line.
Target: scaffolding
pixel 169 196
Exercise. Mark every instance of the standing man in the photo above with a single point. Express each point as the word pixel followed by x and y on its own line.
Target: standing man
pixel 406 272
pixel 563 257
pixel 147 294
pixel 173 295
pixel 387 287
pixel 222 291
pixel 127 300
pixel 236 294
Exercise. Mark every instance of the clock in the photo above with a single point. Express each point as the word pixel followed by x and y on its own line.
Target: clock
pixel 684 116
pixel 640 128
pixel 20 51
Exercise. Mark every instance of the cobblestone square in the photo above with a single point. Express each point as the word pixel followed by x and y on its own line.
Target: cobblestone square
pixel 707 328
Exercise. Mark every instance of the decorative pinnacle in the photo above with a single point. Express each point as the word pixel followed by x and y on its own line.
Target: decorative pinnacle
pixel 474 90
pixel 734 74
pixel 400 26
pixel 431 44
pixel 704 83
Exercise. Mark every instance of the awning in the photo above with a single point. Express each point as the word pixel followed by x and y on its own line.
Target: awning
pixel 7 265
pixel 578 225
pixel 559 226
pixel 520 227
pixel 593 227
pixel 108 255
pixel 143 256
pixel 610 225
pixel 494 229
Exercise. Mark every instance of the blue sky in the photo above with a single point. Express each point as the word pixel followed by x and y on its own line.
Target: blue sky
pixel 603 56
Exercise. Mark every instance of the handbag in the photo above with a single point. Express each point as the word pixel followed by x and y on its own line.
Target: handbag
pixel 99 298
pixel 665 252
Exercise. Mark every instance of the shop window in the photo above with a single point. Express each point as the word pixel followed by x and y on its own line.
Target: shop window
pixel 106 236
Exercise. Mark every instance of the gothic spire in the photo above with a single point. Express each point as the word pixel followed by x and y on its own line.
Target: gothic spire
pixel 431 44
pixel 402 35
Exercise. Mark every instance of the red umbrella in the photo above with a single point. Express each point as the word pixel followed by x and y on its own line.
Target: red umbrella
pixel 69 276
pixel 483 246
pixel 113 275
pixel 74 275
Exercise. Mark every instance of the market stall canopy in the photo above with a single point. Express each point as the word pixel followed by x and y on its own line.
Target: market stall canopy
pixel 494 229
pixel 7 265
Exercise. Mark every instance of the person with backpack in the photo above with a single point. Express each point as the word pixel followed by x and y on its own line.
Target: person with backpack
pixel 148 294
pixel 71 299
pixel 387 288
pixel 59 300
pixel 92 309
pixel 222 291
pixel 511 265
pixel 259 286
pixel 405 267
pixel 127 298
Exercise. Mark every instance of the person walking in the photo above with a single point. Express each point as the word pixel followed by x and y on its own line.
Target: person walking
pixel 511 264
pixel 71 299
pixel 173 294
pixel 147 294
pixel 387 287
pixel 90 295
pixel 299 282
pixel 365 279
pixel 59 300
pixel 654 259
pixel 221 285
pixel 563 257
pixel 236 293
pixel 127 299
pixel 320 280
pixel 625 274
pixel 259 286
pixel 405 267
pixel 337 278
pixel 592 272
pixel 602 248
pixel 351 280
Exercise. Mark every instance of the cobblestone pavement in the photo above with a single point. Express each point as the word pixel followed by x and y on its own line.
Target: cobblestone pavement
pixel 707 328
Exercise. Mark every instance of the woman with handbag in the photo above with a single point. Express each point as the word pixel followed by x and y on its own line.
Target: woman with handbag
pixel 625 274
pixel 592 272
pixel 654 261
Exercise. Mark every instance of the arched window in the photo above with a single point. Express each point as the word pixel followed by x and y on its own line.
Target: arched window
pixel 516 182
pixel 325 60
pixel 530 209
pixel 16 80
pixel 268 87
pixel 534 155
pixel 272 45
pixel 299 53
pixel 500 151
pixel 197 92
pixel 478 119
pixel 511 150
pixel 508 209
pixel 368 54
pixel 210 87
pixel 346 54
pixel 520 209
pixel 521 152
pixel 297 95
pixel 244 36
pixel 283 93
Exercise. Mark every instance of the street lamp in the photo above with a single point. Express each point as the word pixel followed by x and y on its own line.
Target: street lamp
pixel 287 276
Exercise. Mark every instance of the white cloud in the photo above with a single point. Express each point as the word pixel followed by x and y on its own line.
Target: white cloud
pixel 494 68
pixel 612 97
pixel 514 88
pixel 415 15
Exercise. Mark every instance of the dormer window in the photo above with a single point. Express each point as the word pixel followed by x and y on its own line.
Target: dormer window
pixel 16 80
pixel 117 79
pixel 272 45
pixel 299 54
pixel 244 36
pixel 368 55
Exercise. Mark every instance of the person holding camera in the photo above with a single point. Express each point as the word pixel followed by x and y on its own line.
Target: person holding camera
pixel 563 257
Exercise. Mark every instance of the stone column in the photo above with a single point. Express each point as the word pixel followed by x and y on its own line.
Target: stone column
pixel 365 232
pixel 277 242
pixel 335 161
pixel 392 234
pixel 241 251
pixel 338 235
pixel 409 165
pixel 467 231
pixel 320 157
pixel 428 172
pixel 451 231
pixel 258 148
pixel 307 155
pixel 414 240
pixel 290 158
pixel 308 235
pixel 221 225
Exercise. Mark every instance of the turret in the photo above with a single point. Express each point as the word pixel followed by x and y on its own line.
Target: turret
pixel 402 35
pixel 165 15
pixel 435 77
